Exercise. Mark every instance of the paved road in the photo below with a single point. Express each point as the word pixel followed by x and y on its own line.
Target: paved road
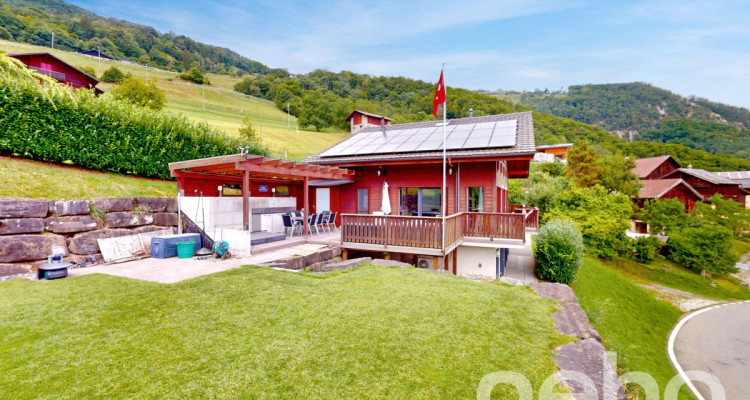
pixel 718 341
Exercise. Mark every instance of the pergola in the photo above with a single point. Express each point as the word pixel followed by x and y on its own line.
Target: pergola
pixel 240 168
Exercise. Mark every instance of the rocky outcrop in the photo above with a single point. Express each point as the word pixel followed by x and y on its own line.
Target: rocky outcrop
pixel 15 226
pixel 28 247
pixel 348 264
pixel 156 204
pixel 113 205
pixel 72 224
pixel 11 207
pixel 85 243
pixel 390 263
pixel 63 208
pixel 128 219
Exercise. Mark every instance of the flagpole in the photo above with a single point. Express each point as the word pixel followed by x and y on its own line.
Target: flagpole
pixel 445 187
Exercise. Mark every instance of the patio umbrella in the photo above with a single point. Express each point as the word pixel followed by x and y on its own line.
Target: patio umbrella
pixel 386 205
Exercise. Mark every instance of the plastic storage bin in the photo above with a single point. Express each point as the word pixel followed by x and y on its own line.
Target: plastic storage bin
pixel 166 246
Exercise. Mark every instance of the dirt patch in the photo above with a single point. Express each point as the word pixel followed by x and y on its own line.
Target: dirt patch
pixel 685 301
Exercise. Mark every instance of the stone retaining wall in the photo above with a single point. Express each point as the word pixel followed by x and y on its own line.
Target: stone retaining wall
pixel 29 228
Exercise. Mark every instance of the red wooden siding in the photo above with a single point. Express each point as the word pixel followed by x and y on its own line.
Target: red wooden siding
pixel 708 189
pixel 662 170
pixel 375 121
pixel 57 69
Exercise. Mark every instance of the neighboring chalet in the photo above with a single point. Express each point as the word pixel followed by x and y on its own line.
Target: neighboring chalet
pixel 708 183
pixel 360 120
pixel 552 152
pixel 655 167
pixel 55 68
pixel 741 177
pixel 97 54
pixel 385 183
pixel 662 189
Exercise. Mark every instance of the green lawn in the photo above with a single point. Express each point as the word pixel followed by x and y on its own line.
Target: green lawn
pixel 253 332
pixel 678 277
pixel 24 178
pixel 224 109
pixel 631 321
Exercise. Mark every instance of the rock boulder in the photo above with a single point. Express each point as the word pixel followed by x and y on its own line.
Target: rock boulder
pixel 155 204
pixel 72 224
pixel 12 207
pixel 63 208
pixel 28 247
pixel 85 243
pixel 165 219
pixel 14 226
pixel 128 219
pixel 14 269
pixel 113 205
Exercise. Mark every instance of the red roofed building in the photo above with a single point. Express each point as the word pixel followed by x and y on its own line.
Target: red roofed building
pixel 662 189
pixel 655 167
pixel 708 183
pixel 55 68
pixel 362 119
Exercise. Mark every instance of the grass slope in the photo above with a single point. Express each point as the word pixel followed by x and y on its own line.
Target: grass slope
pixel 631 321
pixel 258 333
pixel 224 108
pixel 23 178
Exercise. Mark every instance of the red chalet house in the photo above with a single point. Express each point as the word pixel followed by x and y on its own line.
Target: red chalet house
pixel 55 68
pixel 385 183
pixel 360 120
pixel 404 163
pixel 707 184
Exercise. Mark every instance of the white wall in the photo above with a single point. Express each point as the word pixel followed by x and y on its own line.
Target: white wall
pixel 226 212
pixel 470 258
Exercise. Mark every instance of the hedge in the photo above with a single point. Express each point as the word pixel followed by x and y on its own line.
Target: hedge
pixel 42 121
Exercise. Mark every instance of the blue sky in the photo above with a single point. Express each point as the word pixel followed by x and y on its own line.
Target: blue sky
pixel 697 48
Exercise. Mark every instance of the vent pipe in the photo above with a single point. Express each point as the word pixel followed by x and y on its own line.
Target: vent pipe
pixel 382 124
pixel 471 112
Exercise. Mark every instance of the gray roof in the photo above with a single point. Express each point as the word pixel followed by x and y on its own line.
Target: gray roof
pixel 712 177
pixel 741 177
pixel 489 136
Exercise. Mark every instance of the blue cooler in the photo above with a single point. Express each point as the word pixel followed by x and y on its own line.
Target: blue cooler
pixel 166 246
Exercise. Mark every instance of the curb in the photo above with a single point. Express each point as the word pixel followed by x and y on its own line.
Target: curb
pixel 670 345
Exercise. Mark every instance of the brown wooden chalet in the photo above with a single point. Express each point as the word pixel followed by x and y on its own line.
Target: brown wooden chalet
pixel 662 189
pixel 655 167
pixel 59 70
pixel 708 183
pixel 385 184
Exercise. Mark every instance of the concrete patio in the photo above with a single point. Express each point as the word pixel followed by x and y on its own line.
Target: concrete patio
pixel 170 270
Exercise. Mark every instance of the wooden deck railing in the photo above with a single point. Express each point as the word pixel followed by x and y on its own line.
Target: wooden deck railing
pixel 426 232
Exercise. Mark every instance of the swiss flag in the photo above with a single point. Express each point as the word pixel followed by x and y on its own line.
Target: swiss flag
pixel 439 95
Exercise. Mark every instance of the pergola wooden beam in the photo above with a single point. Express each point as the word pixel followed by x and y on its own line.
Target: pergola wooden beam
pixel 243 167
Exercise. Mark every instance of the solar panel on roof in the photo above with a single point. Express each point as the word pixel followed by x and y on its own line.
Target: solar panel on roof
pixel 430 138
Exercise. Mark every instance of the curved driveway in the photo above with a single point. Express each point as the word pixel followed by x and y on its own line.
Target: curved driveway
pixel 717 341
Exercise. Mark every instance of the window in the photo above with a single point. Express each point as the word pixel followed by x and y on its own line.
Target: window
pixel 475 199
pixel 362 201
pixel 424 202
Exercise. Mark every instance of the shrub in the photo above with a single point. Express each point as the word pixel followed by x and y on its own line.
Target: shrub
pixel 559 251
pixel 112 75
pixel 556 168
pixel 646 248
pixel 195 75
pixel 51 123
pixel 140 93
pixel 88 70
pixel 703 247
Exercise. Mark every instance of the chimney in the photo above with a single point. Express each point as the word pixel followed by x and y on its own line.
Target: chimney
pixel 382 124
pixel 471 112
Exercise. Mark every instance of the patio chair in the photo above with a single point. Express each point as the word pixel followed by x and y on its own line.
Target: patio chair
pixel 323 220
pixel 313 222
pixel 332 220
pixel 291 224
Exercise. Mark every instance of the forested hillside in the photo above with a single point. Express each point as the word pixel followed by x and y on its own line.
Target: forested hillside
pixel 76 29
pixel 642 111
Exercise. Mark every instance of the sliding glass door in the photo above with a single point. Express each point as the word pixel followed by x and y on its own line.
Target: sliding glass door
pixel 423 202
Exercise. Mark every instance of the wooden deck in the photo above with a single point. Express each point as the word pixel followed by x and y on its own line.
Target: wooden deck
pixel 424 235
